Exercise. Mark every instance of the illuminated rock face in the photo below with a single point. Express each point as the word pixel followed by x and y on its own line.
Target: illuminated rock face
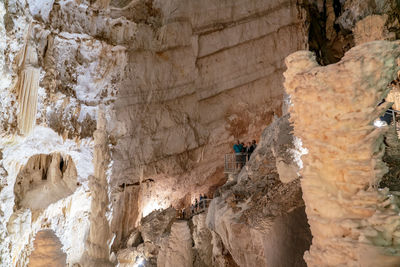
pixel 47 250
pixel 352 222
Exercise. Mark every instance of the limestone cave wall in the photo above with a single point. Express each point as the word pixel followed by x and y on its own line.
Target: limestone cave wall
pixel 113 109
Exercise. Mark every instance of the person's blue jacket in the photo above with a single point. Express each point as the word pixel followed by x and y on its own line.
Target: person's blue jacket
pixel 237 148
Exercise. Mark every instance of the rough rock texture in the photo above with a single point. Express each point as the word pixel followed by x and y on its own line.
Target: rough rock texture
pixel 373 28
pixel 177 249
pixel 335 26
pixel 221 256
pixel 352 222
pixel 26 210
pixel 260 219
pixel 145 242
pixel 392 159
pixel 197 75
pixel 156 224
pixel 202 238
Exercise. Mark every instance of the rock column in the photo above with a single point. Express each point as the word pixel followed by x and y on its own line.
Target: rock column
pixel 97 248
pixel 353 223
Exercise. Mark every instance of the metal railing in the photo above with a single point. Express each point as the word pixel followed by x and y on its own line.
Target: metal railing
pixel 189 212
pixel 393 112
pixel 235 162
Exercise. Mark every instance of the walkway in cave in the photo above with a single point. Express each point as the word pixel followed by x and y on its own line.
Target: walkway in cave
pixel 47 250
pixel 189 215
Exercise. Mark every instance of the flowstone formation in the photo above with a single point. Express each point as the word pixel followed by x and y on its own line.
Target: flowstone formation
pixel 353 223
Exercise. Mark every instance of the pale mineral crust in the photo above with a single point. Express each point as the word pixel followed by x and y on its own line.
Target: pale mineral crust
pixel 353 223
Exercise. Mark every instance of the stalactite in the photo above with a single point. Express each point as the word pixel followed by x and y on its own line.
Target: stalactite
pixel 27 87
pixel 353 223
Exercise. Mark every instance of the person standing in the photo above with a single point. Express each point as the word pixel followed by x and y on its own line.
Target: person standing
pixel 254 144
pixel 205 200
pixel 200 202
pixel 250 149
pixel 243 155
pixel 237 148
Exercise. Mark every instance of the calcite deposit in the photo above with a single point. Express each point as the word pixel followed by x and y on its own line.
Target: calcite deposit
pixel 353 222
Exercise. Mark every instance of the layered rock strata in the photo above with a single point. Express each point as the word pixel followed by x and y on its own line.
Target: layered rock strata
pixel 353 223
pixel 195 82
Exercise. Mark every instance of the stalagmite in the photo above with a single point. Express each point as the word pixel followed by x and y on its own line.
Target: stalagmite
pixel 353 223
pixel 27 87
pixel 97 247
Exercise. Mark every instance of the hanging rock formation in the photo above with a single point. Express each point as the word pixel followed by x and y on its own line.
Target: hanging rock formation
pixel 27 85
pixel 45 179
pixel 353 223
